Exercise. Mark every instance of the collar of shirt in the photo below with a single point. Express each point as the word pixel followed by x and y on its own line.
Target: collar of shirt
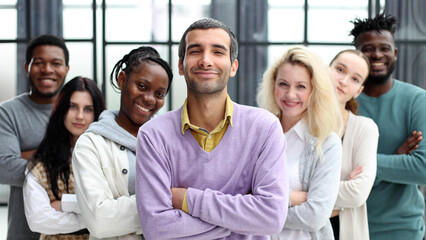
pixel 229 110
pixel 297 130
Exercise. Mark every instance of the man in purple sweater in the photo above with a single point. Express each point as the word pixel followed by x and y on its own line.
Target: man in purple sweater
pixel 213 169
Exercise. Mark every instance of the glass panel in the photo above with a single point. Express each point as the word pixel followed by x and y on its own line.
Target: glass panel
pixel 275 52
pixel 286 21
pixel 134 20
pixel 327 53
pixel 113 54
pixel 4 197
pixel 81 60
pixel 178 84
pixel 9 17
pixel 185 12
pixel 329 20
pixel 77 2
pixel 8 71
pixel 78 21
pixel 8 2
pixel 382 5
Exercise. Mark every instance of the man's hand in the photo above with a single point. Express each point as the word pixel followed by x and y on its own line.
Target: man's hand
pixel 56 205
pixel 297 198
pixel 410 144
pixel 177 197
pixel 28 154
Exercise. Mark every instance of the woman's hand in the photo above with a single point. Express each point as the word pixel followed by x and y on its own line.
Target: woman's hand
pixel 56 205
pixel 357 171
pixel 297 198
pixel 334 213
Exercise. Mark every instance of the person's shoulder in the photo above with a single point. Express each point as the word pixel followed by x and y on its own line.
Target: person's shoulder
pixel 39 167
pixel 253 115
pixel 333 137
pixel 163 121
pixel 408 88
pixel 17 100
pixel 363 122
pixel 362 126
pixel 38 170
pixel 88 139
pixel 332 140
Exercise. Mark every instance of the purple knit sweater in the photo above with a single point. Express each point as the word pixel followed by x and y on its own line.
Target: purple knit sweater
pixel 237 191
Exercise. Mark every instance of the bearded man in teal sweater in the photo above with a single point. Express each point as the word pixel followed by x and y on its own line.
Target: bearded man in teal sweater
pixel 395 206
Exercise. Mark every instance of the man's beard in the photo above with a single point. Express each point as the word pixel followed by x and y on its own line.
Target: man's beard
pixel 37 92
pixel 379 80
pixel 45 95
pixel 202 89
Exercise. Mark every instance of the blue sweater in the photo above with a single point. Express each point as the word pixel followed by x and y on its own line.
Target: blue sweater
pixel 237 191
pixel 395 205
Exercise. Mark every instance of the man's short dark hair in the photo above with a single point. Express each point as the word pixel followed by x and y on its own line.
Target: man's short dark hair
pixel 46 40
pixel 379 23
pixel 207 23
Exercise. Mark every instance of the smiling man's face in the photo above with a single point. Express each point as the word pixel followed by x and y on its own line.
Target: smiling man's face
pixel 380 50
pixel 46 71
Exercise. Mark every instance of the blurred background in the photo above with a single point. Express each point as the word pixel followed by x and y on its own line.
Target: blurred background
pixel 99 32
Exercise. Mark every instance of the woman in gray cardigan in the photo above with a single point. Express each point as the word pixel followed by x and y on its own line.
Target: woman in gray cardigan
pixel 298 90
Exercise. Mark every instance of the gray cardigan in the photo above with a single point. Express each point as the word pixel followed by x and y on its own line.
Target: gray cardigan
pixel 320 178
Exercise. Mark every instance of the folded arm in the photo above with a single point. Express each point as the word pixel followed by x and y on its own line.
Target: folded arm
pixel 12 164
pixel 314 214
pixel 353 192
pixel 41 216
pixel 264 210
pixel 407 168
pixel 104 214
pixel 154 200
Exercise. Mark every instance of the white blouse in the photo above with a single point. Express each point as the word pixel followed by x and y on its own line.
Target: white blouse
pixel 42 217
pixel 294 151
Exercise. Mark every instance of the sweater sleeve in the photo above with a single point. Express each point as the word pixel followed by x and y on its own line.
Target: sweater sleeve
pixel 41 216
pixel 158 218
pixel 314 214
pixel 105 214
pixel 12 165
pixel 353 193
pixel 408 169
pixel 265 209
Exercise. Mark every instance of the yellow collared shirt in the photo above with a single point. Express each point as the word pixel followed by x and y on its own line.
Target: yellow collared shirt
pixel 207 141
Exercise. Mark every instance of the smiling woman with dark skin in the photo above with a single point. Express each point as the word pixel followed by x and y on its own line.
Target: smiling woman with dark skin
pixel 104 157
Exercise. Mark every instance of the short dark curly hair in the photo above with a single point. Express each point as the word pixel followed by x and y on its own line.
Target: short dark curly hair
pixel 46 39
pixel 207 23
pixel 379 23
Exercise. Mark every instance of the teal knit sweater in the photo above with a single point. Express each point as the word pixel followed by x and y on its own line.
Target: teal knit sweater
pixel 395 205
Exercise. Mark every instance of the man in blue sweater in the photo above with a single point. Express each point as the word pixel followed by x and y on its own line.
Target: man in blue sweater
pixel 395 205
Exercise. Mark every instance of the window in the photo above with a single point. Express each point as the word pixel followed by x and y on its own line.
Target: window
pixel 99 32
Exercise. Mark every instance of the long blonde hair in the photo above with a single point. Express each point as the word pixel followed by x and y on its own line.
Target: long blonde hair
pixel 323 115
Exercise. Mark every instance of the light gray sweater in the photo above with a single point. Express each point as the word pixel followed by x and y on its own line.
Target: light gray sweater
pixel 22 127
pixel 320 178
